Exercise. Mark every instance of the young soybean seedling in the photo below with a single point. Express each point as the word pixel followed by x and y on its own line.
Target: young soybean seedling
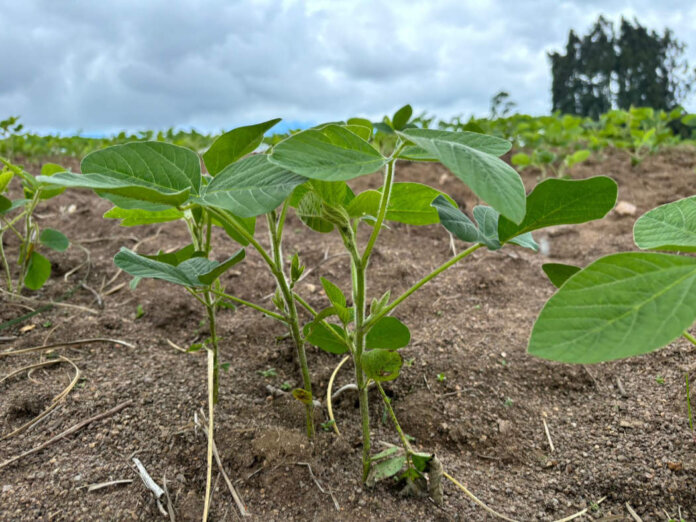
pixel 333 153
pixel 154 182
pixel 17 217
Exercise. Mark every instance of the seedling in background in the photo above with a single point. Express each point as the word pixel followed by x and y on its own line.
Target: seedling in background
pixel 139 312
pixel 17 217
pixel 332 154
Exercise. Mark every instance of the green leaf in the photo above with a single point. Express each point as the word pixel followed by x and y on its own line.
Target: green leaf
pixel 401 117
pixel 48 190
pixel 559 273
pixel 148 171
pixel 468 156
pixel 54 239
pixel 386 453
pixel 5 204
pixel 521 160
pixel 17 203
pixel 5 178
pixel 38 271
pixel 455 221
pixel 334 293
pixel 331 153
pixel 381 365
pixel 562 201
pixel 319 335
pixel 210 276
pixel 248 224
pixel 361 122
pixel 178 256
pixel 619 306
pixel 136 217
pixel 386 468
pixel 186 273
pixel 577 157
pixel 234 145
pixel 389 334
pixel 309 210
pixel 421 460
pixel 302 395
pixel 250 187
pixel 668 227
pixel 461 227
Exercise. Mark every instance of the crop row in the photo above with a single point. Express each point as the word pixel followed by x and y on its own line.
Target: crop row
pixel 618 306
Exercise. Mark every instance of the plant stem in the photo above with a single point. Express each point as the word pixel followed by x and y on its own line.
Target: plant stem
pixel 211 427
pixel 292 317
pixel 372 320
pixel 248 304
pixel 314 314
pixel 387 403
pixel 381 214
pixel 5 264
pixel 689 337
pixel 210 309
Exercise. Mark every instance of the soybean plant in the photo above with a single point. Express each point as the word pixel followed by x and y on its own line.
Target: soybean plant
pixel 333 153
pixel 154 182
pixel 17 217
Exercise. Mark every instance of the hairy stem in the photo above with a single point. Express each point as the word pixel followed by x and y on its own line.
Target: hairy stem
pixel 5 264
pixel 214 347
pixel 249 304
pixel 390 410
pixel 292 317
pixel 381 214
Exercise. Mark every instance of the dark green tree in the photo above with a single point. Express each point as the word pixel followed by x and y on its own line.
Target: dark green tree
pixel 605 70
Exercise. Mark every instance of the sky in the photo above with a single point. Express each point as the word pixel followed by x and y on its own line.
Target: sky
pixel 101 66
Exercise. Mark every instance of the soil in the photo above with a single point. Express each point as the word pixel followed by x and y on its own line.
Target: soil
pixel 469 391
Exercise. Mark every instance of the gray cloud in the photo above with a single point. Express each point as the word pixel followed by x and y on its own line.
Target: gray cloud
pixel 106 66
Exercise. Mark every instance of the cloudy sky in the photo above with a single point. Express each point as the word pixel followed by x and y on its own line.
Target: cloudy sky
pixel 99 66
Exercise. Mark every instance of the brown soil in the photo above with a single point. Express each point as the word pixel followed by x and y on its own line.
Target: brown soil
pixel 628 442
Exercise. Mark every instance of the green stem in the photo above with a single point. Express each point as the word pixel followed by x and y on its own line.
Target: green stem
pixel 381 214
pixel 232 221
pixel 248 304
pixel 688 402
pixel 210 309
pixel 292 317
pixel 372 320
pixel 689 337
pixel 387 403
pixel 5 264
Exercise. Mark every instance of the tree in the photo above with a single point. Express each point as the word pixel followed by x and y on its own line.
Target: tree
pixel 604 70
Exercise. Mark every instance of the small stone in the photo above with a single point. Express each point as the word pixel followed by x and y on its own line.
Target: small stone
pixel 6 488
pixel 624 208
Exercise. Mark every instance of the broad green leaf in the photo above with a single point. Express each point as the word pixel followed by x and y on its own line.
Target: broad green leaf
pixel 361 130
pixel 386 453
pixel 386 468
pixel 309 210
pixel 361 122
pixel 248 224
pixel 332 153
pixel 178 256
pixel 133 204
pixel 136 217
pixel 186 273
pixel 211 275
pixel 5 204
pixel 409 203
pixel 149 171
pixel 559 273
pixel 619 306
pixel 413 153
pixel 455 221
pixel 381 365
pixel 49 191
pixel 562 201
pixel 481 142
pixel 234 145
pixel 54 239
pixel 320 336
pixel 467 156
pixel 401 117
pixel 250 187
pixel 668 227
pixel 389 334
pixel 461 227
pixel 38 271
pixel 334 293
